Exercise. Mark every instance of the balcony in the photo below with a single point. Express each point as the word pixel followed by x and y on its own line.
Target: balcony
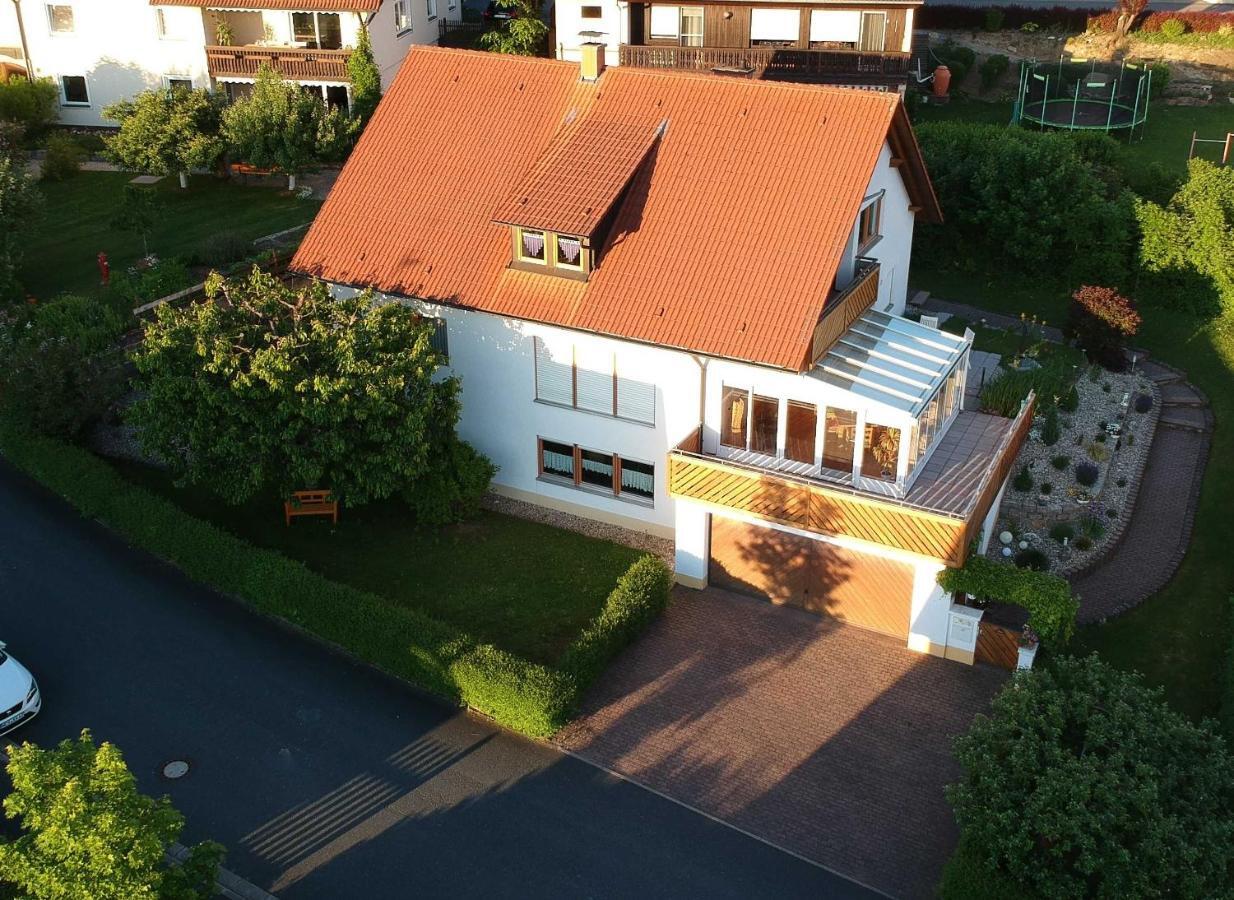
pixel 845 307
pixel 292 63
pixel 827 66
pixel 938 518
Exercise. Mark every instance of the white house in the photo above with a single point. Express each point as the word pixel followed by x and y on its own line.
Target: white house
pixel 861 43
pixel 675 304
pixel 102 51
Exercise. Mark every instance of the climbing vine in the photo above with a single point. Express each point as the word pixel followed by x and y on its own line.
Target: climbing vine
pixel 1051 608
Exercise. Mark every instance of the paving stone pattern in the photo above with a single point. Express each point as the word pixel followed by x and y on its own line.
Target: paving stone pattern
pixel 823 738
pixel 1156 539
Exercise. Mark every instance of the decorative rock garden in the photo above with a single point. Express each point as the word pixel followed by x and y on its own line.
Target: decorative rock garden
pixel 1075 481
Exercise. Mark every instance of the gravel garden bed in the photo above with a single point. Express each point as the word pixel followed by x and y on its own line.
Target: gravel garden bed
pixel 1075 481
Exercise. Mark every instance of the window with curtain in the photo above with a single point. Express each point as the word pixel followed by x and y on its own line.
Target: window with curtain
pixel 802 425
pixel 873 32
pixel 557 459
pixel 691 26
pixel 531 246
pixel 638 478
pixel 569 252
pixel 881 456
pixel 764 425
pixel 734 413
pixel 402 20
pixel 839 439
pixel 597 468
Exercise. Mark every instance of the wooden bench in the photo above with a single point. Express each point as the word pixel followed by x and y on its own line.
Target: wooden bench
pixel 310 503
pixel 245 169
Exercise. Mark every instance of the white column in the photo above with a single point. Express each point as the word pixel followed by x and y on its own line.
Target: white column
pixel 928 622
pixel 693 537
pixel 963 627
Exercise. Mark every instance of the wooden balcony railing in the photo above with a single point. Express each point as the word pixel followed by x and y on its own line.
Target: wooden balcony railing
pixel 828 65
pixel 847 512
pixel 292 63
pixel 845 308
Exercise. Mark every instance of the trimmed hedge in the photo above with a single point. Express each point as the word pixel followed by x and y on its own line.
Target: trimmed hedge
pixel 521 695
pixel 947 15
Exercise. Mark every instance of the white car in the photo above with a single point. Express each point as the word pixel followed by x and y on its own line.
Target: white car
pixel 19 693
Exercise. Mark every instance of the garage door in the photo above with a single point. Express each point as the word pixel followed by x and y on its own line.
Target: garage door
pixel 859 588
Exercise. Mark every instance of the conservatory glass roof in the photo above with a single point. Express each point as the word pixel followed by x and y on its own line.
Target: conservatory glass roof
pixel 891 360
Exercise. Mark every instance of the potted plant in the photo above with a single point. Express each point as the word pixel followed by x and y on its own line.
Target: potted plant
pixel 223 34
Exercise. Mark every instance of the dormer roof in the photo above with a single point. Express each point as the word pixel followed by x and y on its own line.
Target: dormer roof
pixel 725 231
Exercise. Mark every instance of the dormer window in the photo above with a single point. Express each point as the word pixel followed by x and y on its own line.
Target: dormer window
pixel 532 246
pixel 569 252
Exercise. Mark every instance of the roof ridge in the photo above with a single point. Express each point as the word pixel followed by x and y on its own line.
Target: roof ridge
pixel 886 97
pixel 510 58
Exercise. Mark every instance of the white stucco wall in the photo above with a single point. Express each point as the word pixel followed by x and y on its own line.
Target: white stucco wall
pixel 614 23
pixel 390 45
pixel 894 249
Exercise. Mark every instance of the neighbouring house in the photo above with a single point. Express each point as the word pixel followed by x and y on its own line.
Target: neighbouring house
pixel 864 44
pixel 101 52
pixel 674 301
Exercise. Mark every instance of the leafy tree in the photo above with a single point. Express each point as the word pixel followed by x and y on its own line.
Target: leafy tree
pixel 1037 202
pixel 365 79
pixel 1187 247
pixel 167 132
pixel 280 126
pixel 1102 319
pixel 1082 783
pixel 140 210
pixel 1128 13
pixel 523 34
pixel 270 385
pixel 89 833
pixel 35 105
pixel 19 207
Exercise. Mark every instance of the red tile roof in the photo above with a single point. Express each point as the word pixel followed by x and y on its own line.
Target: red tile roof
pixel 293 5
pixel 726 241
pixel 576 181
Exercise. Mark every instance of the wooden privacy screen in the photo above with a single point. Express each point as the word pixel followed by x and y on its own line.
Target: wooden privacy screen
pixel 843 310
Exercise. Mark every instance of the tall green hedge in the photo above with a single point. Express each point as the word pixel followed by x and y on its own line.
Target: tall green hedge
pixel 525 696
pixel 1051 608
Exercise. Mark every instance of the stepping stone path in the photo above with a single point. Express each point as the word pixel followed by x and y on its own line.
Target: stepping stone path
pixel 1156 539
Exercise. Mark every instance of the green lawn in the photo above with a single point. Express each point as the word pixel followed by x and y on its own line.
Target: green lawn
pixel 77 214
pixel 524 587
pixel 1178 637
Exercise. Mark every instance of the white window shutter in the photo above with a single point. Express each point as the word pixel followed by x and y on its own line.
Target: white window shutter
pixel 841 25
pixel 636 400
pixel 554 374
pixel 593 373
pixel 665 21
pixel 774 24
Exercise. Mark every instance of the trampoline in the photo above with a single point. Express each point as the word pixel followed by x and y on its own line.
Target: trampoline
pixel 1084 95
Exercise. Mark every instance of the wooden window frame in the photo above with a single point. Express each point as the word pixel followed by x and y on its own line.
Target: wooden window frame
pixel 581 265
pixel 789 405
pixel 866 240
pixel 775 438
pixel 861 34
pixel 681 31
pixel 580 484
pixel 857 437
pixel 518 246
pixel 749 411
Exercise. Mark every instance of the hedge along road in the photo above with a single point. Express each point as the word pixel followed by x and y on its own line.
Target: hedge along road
pixel 324 778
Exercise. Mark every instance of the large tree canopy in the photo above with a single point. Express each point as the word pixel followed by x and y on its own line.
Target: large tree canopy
pixel 365 79
pixel 167 132
pixel 268 385
pixel 1082 783
pixel 279 126
pixel 88 832
pixel 522 34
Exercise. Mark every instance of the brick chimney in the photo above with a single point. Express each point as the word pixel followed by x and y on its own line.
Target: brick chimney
pixel 591 60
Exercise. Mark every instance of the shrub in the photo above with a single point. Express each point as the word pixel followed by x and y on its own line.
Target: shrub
pixel 1173 29
pixel 991 69
pixel 1143 403
pixel 1097 452
pixel 640 597
pixel 1051 608
pixel 1101 320
pixel 1061 462
pixel 1160 74
pixel 955 57
pixel 1083 543
pixel 12 142
pixel 1047 488
pixel 1082 782
pixel 223 248
pixel 994 17
pixel 1033 559
pixel 1086 474
pixel 1050 429
pixel 1226 710
pixel 1063 531
pixel 140 286
pixel 1093 527
pixel 454 481
pixel 64 158
pixel 1023 480
pixel 34 105
pixel 1070 401
pixel 948 15
pixel 20 204
pixel 166 132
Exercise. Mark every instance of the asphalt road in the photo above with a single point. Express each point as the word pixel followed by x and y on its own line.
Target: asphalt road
pixel 322 777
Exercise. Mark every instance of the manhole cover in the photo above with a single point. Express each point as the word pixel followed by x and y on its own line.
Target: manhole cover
pixel 177 768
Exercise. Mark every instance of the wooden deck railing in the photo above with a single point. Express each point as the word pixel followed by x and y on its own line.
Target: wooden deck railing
pixel 291 62
pixel 845 308
pixel 757 61
pixel 847 512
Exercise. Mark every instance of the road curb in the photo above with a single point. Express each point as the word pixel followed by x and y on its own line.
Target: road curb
pixel 229 884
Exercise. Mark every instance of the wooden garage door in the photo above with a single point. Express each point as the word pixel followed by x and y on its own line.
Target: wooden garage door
pixel 859 588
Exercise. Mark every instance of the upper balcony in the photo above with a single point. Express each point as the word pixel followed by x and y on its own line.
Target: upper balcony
pixel 845 307
pixel 831 66
pixel 293 63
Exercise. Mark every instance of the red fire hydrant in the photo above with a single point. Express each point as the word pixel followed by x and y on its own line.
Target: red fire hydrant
pixel 104 270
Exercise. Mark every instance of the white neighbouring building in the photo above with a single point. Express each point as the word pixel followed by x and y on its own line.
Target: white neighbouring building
pixel 101 51
pixel 675 304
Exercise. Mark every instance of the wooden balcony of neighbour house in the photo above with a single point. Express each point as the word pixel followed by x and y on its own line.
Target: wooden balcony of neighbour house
pixel 293 63
pixel 939 517
pixel 833 65
pixel 845 307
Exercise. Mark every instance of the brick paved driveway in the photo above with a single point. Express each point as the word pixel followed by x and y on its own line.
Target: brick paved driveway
pixel 825 739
